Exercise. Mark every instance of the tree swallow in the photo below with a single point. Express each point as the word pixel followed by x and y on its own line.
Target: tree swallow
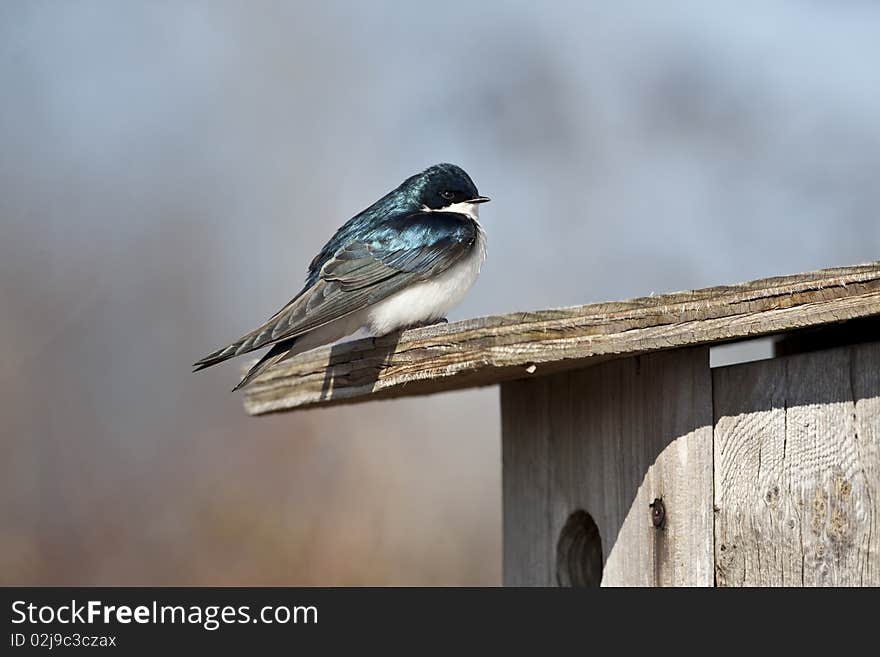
pixel 404 261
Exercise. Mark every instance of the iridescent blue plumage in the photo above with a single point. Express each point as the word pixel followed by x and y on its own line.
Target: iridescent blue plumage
pixel 414 193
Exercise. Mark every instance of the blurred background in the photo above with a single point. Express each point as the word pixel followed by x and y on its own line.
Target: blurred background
pixel 168 169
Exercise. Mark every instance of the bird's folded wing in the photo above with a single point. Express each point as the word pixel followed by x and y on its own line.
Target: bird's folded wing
pixel 362 273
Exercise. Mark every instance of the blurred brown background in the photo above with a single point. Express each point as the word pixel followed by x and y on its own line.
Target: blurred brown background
pixel 167 170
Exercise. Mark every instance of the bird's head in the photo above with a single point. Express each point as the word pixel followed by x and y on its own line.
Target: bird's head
pixel 446 187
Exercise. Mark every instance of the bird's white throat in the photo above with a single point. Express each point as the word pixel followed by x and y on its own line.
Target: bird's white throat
pixel 472 210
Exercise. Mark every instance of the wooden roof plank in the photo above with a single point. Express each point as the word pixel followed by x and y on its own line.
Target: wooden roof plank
pixel 488 350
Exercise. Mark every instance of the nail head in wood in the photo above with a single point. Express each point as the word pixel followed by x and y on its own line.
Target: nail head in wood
pixel 658 513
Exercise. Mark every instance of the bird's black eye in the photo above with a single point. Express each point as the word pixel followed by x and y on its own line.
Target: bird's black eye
pixel 447 195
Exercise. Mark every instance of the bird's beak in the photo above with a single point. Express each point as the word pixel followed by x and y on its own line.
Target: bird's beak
pixel 480 199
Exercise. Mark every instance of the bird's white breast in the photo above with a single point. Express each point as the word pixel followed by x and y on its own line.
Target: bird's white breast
pixel 429 300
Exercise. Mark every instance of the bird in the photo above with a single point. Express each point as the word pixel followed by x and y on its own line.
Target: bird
pixel 403 262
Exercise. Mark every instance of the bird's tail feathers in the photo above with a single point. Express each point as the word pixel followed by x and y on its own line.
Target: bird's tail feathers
pixel 213 359
pixel 243 345
pixel 261 336
pixel 279 351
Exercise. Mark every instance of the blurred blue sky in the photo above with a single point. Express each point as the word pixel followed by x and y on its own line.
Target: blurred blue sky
pixel 168 169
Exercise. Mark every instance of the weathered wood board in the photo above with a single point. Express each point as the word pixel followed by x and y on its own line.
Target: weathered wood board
pixel 797 470
pixel 608 440
pixel 493 349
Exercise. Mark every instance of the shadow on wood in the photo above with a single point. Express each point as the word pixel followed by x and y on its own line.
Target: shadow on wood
pixel 828 336
pixel 362 375
pixel 612 440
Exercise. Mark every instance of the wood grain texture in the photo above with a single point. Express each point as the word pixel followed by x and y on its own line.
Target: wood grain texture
pixel 609 440
pixel 797 470
pixel 500 348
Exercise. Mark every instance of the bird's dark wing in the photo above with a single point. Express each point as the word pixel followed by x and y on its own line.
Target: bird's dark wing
pixel 385 260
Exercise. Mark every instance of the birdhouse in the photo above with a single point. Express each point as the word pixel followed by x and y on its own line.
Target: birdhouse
pixel 628 460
